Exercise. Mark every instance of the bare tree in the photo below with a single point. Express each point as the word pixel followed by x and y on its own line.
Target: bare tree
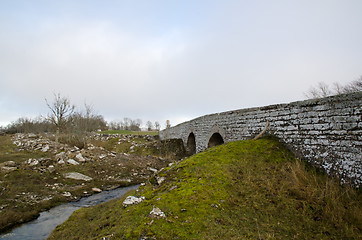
pixel 135 125
pixel 60 110
pixel 149 126
pixel 157 126
pixel 354 86
pixel 323 90
pixel 115 125
pixel 126 123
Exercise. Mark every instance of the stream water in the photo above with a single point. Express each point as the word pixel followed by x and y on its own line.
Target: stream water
pixel 41 227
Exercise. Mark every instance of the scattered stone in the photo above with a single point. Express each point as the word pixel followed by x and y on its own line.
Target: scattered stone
pixel 152 169
pixel 67 194
pixel 125 180
pixel 8 164
pixel 157 213
pixel 130 200
pixel 80 157
pixel 51 168
pixel 31 135
pixel 72 161
pixel 8 169
pixel 77 176
pixel 61 161
pixel 160 180
pixel 60 155
pixel 32 162
pixel 97 190
pixel 45 149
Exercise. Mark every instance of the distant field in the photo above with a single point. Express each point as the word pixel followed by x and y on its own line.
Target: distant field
pixel 127 132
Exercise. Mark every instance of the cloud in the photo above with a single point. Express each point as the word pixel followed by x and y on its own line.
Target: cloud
pixel 95 62
pixel 166 61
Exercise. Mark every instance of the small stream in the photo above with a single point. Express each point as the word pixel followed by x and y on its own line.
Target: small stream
pixel 41 227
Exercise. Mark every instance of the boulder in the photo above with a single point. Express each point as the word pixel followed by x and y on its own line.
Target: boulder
pixel 157 213
pixel 32 162
pixel 8 169
pixel 67 194
pixel 130 200
pixel 45 148
pixel 160 180
pixel 72 161
pixel 77 176
pixel 152 169
pixel 97 190
pixel 51 168
pixel 60 156
pixel 8 164
pixel 80 157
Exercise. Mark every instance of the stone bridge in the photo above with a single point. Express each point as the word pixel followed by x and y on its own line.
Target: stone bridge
pixel 326 132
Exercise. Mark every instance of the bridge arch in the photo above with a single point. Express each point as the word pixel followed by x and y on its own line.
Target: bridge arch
pixel 215 140
pixel 217 136
pixel 191 144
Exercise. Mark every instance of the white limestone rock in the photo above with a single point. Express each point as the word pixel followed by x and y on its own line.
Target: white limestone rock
pixel 32 162
pixel 72 161
pixel 61 161
pixel 60 156
pixel 51 168
pixel 97 190
pixel 77 176
pixel 157 213
pixel 130 200
pixel 45 148
pixel 80 158
pixel 67 194
pixel 160 180
pixel 152 169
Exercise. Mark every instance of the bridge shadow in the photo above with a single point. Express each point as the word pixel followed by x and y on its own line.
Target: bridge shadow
pixel 215 140
pixel 191 145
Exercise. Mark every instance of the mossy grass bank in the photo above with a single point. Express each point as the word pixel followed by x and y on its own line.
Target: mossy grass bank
pixel 240 190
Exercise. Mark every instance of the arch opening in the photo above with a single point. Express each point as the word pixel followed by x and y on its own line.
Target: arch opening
pixel 215 140
pixel 191 144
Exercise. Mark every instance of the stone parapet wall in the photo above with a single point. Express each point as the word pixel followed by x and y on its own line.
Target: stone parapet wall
pixel 326 132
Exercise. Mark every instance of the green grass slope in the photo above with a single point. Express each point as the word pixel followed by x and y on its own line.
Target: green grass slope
pixel 240 190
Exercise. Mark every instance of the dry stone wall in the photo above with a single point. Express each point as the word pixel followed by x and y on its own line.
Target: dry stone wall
pixel 326 132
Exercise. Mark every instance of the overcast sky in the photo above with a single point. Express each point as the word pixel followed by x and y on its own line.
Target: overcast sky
pixel 177 60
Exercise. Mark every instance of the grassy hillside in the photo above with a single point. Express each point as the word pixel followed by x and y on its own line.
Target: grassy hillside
pixel 240 190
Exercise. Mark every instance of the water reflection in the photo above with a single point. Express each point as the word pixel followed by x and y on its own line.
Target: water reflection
pixel 47 221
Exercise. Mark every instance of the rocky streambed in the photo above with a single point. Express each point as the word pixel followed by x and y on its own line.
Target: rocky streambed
pixel 37 173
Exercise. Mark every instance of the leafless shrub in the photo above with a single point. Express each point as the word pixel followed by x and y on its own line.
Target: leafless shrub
pixel 323 90
pixel 60 111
